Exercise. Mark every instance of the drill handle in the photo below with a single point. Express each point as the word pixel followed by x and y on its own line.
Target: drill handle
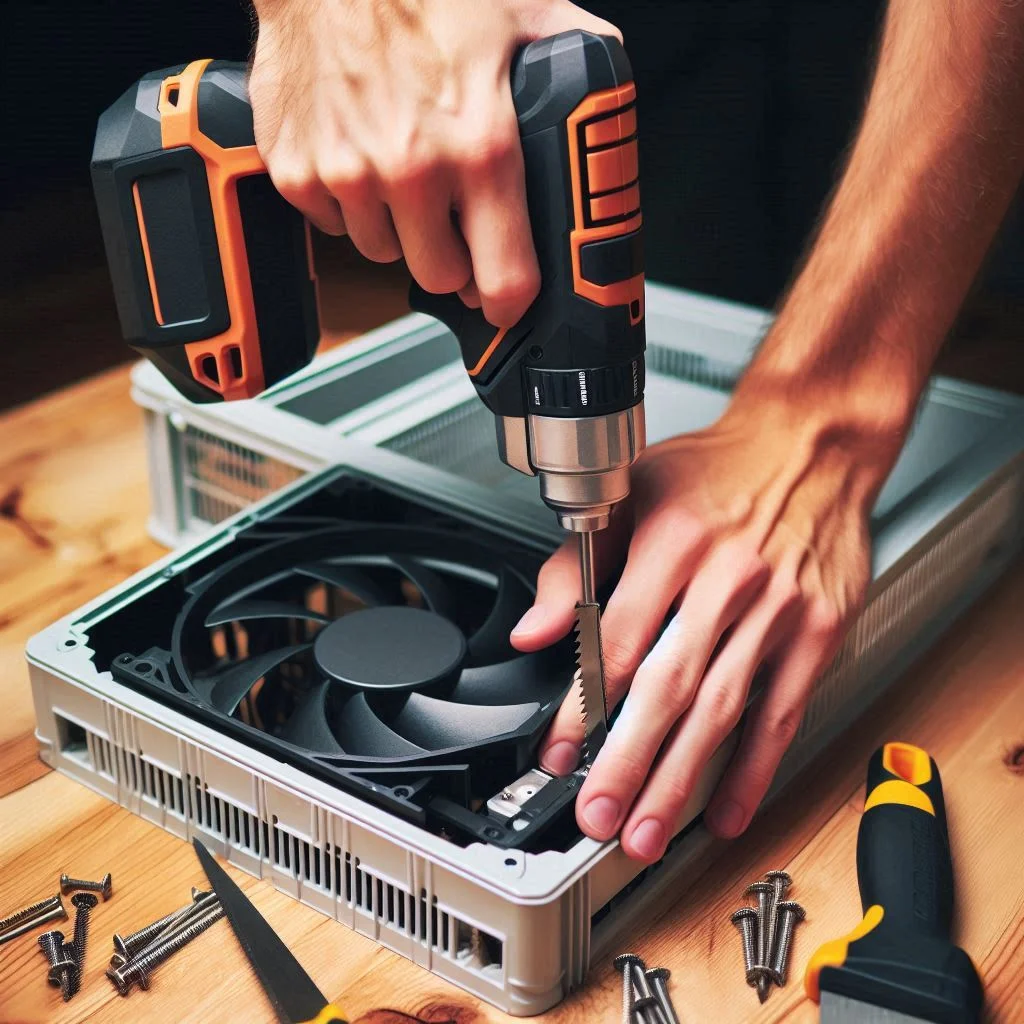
pixel 578 349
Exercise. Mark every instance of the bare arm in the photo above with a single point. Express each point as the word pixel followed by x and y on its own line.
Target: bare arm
pixel 936 161
pixel 754 532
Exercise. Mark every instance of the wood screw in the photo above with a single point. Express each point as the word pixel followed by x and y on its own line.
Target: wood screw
pixel 763 891
pixel 125 947
pixel 56 913
pixel 104 886
pixel 780 883
pixel 20 916
pixel 789 913
pixel 635 968
pixel 623 966
pixel 658 979
pixel 62 967
pixel 746 921
pixel 138 970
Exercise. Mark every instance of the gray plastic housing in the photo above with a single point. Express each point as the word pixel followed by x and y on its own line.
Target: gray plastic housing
pixel 518 930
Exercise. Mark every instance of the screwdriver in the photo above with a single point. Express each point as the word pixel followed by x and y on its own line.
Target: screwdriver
pixel 898 965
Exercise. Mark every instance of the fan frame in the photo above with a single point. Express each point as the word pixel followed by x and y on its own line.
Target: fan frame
pixel 434 789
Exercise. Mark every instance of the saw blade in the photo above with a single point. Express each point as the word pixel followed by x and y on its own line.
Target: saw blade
pixel 588 680
pixel 837 1009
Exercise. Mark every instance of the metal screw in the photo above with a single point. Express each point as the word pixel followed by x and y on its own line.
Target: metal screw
pixel 56 913
pixel 623 964
pixel 789 913
pixel 137 972
pixel 646 1008
pixel 26 912
pixel 103 886
pixel 649 1013
pixel 127 946
pixel 84 903
pixel 62 967
pixel 780 883
pixel 206 901
pixel 764 984
pixel 763 891
pixel 746 920
pixel 658 978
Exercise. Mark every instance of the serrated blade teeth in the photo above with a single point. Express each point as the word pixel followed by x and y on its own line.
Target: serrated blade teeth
pixel 588 679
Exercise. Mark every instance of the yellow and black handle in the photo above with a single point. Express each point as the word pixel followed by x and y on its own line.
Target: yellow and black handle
pixel 900 956
pixel 212 268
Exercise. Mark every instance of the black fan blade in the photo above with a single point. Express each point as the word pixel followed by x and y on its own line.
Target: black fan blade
pixel 256 609
pixel 360 731
pixel 438 724
pixel 490 642
pixel 307 727
pixel 347 577
pixel 530 677
pixel 226 689
pixel 436 594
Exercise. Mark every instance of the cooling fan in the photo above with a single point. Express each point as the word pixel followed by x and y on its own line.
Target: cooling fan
pixel 377 652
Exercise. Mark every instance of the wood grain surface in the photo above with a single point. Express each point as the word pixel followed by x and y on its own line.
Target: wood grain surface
pixel 72 523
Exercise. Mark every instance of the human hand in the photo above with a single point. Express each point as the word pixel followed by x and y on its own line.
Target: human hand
pixel 753 535
pixel 393 122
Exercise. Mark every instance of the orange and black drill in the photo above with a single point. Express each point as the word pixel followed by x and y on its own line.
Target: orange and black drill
pixel 214 279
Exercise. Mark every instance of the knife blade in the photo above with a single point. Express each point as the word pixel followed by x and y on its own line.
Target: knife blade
pixel 588 680
pixel 292 992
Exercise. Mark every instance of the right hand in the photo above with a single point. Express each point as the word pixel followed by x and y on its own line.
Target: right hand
pixel 393 122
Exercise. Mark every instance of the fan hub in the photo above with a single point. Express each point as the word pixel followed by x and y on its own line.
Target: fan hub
pixel 390 648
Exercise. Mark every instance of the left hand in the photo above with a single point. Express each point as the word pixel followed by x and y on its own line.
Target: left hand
pixel 753 536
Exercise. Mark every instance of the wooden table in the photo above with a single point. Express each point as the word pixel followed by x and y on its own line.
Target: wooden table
pixel 72 514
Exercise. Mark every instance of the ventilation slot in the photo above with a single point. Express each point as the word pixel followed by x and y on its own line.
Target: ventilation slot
pixel 902 611
pixel 163 788
pixel 220 478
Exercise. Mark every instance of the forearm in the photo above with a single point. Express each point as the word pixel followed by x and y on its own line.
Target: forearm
pixel 937 159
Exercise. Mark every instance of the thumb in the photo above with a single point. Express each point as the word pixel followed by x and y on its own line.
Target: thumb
pixel 562 17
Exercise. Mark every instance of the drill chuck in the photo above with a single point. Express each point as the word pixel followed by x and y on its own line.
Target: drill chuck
pixel 583 464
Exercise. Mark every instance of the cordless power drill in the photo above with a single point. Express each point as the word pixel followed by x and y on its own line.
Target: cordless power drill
pixel 214 279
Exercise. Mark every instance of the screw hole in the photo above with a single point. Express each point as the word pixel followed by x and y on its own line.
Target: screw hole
pixel 536 352
pixel 402 792
pixel 510 862
pixel 144 667
pixel 70 643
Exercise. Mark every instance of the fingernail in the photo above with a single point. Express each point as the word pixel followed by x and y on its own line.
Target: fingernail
pixel 533 618
pixel 648 838
pixel 727 819
pixel 561 758
pixel 602 815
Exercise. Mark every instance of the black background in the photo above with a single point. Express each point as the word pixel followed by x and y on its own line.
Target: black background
pixel 746 107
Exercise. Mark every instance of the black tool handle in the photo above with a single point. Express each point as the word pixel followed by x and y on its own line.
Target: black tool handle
pixel 900 957
pixel 212 268
pixel 578 350
pixel 903 858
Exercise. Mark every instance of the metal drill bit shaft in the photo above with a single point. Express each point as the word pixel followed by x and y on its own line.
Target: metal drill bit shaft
pixel 20 916
pixel 137 972
pixel 57 913
pixel 587 566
